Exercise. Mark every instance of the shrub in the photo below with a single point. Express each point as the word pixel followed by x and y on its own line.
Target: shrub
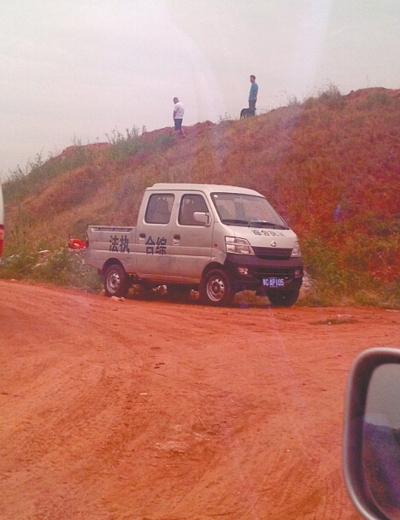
pixel 375 99
pixel 134 143
pixel 61 267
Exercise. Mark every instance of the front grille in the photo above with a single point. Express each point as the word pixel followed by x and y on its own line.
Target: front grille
pixel 270 253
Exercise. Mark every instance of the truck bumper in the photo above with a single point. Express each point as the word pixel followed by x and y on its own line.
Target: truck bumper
pixel 250 273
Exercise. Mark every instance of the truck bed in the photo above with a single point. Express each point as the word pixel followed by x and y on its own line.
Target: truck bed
pixel 107 242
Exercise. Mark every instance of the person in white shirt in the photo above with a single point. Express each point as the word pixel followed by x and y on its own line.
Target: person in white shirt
pixel 177 115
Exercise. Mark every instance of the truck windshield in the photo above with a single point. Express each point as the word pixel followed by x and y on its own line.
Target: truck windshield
pixel 247 210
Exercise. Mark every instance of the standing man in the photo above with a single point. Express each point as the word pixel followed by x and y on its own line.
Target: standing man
pixel 253 95
pixel 177 115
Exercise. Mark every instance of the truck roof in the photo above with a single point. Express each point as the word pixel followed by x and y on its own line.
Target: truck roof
pixel 205 188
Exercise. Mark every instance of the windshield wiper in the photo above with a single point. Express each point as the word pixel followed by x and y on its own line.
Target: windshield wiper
pixel 254 223
pixel 235 221
pixel 265 223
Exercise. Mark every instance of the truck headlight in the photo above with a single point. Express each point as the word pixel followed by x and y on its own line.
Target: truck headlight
pixel 296 249
pixel 238 246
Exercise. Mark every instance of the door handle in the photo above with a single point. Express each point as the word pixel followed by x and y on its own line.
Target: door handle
pixel 142 235
pixel 177 237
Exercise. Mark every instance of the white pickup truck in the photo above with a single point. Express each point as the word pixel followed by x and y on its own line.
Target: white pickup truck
pixel 218 240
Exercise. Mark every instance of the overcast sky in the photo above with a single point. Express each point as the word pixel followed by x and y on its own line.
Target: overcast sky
pixel 73 70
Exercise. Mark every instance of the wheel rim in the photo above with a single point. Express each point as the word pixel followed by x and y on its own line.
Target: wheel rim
pixel 113 282
pixel 215 289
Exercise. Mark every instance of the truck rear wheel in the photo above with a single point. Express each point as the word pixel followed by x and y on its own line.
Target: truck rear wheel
pixel 116 281
pixel 283 298
pixel 215 289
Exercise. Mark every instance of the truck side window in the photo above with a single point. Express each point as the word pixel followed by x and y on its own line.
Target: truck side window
pixel 159 208
pixel 190 204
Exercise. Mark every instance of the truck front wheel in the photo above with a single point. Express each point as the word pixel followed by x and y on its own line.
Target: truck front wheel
pixel 116 281
pixel 283 298
pixel 215 288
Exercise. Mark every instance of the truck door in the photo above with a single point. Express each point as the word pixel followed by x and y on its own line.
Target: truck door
pixel 154 239
pixel 191 239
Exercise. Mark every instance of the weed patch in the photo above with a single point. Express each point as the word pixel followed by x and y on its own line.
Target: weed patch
pixel 62 267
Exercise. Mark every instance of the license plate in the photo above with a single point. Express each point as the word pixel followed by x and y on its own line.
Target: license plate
pixel 274 282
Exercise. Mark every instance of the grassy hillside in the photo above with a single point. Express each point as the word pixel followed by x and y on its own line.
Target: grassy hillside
pixel 329 165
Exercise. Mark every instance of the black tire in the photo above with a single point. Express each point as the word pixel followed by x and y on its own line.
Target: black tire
pixel 116 281
pixel 215 289
pixel 283 298
pixel 179 293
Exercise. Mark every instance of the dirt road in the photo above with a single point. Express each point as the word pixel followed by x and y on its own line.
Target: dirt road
pixel 160 411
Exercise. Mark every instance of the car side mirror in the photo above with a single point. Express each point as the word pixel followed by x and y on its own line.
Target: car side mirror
pixel 371 443
pixel 202 217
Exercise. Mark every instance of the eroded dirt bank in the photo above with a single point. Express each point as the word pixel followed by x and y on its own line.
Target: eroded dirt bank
pixel 153 410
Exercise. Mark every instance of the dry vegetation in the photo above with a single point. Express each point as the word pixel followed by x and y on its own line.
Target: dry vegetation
pixel 330 166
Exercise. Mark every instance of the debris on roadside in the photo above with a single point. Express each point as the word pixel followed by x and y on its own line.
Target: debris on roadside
pixel 339 320
pixel 117 299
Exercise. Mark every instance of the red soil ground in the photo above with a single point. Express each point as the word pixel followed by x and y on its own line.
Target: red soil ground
pixel 159 411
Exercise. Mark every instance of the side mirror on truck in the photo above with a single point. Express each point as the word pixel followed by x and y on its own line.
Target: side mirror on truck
pixel 371 444
pixel 202 217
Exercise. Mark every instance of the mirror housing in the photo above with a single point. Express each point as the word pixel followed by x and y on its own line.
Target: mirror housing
pixel 357 476
pixel 202 217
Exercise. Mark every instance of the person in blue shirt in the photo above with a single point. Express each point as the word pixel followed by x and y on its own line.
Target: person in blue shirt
pixel 253 94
